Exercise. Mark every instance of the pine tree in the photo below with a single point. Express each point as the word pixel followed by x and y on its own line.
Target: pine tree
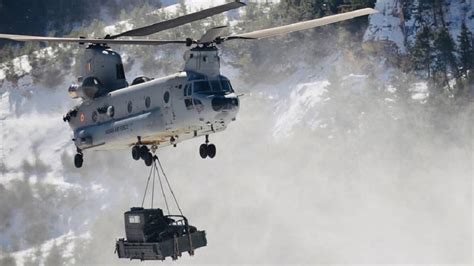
pixel 445 60
pixel 422 51
pixel 466 52
pixel 425 4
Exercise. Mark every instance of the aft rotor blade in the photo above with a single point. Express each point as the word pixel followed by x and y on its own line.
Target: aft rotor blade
pixel 179 21
pixel 304 25
pixel 27 38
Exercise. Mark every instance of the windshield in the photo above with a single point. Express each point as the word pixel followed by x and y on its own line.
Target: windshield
pixel 226 86
pixel 201 86
pixel 213 86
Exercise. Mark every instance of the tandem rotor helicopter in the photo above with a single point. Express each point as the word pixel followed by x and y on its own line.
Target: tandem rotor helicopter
pixel 151 113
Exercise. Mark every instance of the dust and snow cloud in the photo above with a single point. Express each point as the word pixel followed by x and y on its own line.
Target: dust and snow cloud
pixel 302 176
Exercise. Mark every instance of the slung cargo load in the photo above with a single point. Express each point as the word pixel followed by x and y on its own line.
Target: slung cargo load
pixel 154 236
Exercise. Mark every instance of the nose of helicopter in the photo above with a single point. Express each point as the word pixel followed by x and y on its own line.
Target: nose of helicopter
pixel 224 103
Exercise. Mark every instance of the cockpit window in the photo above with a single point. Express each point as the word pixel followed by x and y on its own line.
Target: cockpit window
pixel 201 86
pixel 215 84
pixel 219 86
pixel 226 85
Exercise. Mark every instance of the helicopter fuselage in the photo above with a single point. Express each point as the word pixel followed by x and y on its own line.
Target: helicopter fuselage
pixel 157 113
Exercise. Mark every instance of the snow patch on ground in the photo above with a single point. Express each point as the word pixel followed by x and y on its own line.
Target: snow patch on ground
pixel 29 130
pixel 385 25
pixel 21 65
pixel 302 99
pixel 28 113
pixel 354 81
pixel 4 109
pixel 66 241
pixel 420 91
pixel 118 27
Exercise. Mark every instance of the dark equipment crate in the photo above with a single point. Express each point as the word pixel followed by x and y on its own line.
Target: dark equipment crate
pixel 160 250
pixel 154 236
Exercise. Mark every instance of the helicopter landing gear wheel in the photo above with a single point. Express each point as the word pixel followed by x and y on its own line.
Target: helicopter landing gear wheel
pixel 143 151
pixel 211 150
pixel 207 150
pixel 136 152
pixel 78 160
pixel 203 151
pixel 148 159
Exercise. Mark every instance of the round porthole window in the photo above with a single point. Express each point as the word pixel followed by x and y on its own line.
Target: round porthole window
pixel 111 111
pixel 129 107
pixel 94 116
pixel 166 97
pixel 147 102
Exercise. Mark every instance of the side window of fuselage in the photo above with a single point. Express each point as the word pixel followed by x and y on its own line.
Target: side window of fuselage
pixel 147 102
pixel 189 103
pixel 197 102
pixel 187 90
pixel 166 97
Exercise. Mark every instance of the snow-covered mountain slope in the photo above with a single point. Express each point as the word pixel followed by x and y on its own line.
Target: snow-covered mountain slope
pixel 279 182
pixel 323 166
pixel 392 29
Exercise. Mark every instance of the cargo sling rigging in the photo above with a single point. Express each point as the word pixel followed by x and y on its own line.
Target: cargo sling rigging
pixel 154 171
pixel 151 235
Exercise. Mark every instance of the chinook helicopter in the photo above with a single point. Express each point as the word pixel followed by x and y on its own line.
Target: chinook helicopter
pixel 157 112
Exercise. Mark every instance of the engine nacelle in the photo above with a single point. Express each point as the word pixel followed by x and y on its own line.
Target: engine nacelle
pixel 90 89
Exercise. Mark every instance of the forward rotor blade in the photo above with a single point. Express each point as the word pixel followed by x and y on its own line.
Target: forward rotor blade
pixel 212 34
pixel 179 21
pixel 260 34
pixel 27 38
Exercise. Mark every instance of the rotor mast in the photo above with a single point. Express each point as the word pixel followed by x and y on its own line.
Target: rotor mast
pixel 203 60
